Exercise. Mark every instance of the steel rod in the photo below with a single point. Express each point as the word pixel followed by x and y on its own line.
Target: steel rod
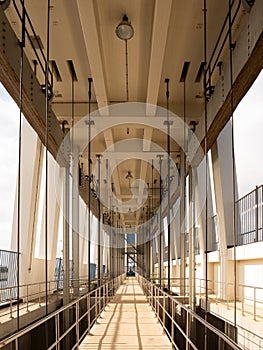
pixel 89 181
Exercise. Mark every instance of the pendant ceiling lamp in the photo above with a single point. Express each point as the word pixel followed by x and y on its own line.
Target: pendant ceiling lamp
pixel 124 29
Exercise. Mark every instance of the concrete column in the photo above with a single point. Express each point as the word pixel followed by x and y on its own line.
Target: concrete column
pixel 29 198
pixel 223 180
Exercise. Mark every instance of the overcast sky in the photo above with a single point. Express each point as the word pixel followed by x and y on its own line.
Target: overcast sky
pixel 248 136
pixel 9 114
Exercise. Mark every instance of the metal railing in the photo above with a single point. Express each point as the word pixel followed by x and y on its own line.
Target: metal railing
pixel 249 340
pixel 249 217
pixel 220 44
pixel 30 294
pixel 34 40
pixel 69 325
pixel 8 274
pixel 181 323
pixel 33 294
pixel 250 298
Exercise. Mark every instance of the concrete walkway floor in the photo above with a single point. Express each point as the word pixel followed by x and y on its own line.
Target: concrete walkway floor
pixel 127 323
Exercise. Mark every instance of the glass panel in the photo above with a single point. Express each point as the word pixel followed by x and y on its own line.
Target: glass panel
pixel 248 140
pixel 9 115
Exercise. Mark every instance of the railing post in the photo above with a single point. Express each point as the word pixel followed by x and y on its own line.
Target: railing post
pixel 88 303
pixel 99 300
pixel 39 299
pixel 77 324
pixel 227 296
pixel 256 213
pixel 217 288
pixel 27 309
pixel 172 322
pixel 187 331
pixel 96 306
pixel 11 303
pixel 243 301
pixel 104 296
pixel 57 331
pixel 152 295
pixel 107 292
pixel 163 310
pixel 255 303
pixel 155 300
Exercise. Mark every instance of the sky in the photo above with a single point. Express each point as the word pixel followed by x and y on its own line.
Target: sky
pixel 248 140
pixel 9 114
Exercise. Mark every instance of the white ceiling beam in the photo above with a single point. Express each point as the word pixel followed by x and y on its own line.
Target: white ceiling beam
pixel 161 21
pixel 94 51
pixel 92 41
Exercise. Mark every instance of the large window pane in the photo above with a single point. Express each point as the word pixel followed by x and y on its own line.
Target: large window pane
pixel 9 114
pixel 248 128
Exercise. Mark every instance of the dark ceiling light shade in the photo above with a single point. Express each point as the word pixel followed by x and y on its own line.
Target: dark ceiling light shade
pixel 124 30
pixel 129 176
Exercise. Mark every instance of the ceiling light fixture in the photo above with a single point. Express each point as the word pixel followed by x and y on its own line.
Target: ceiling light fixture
pixel 124 30
pixel 129 176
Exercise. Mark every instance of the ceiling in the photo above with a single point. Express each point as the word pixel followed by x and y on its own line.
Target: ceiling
pixel 168 38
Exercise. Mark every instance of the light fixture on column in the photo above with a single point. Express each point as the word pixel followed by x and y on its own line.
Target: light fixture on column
pixel 124 29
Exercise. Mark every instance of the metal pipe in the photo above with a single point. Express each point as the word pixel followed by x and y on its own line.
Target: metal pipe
pixel 89 181
pixel 22 45
pixel 126 71
pixel 46 141
pixel 169 123
pixel 160 254
pixel 256 214
pixel 75 197
pixel 99 275
pixel 66 239
pixel 206 167
pixel 233 160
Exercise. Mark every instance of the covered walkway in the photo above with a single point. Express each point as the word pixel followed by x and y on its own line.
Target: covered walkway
pixel 127 323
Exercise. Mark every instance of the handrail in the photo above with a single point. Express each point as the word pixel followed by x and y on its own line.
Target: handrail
pixel 153 293
pixel 249 193
pixel 249 217
pixel 107 290
pixel 9 251
pixel 210 70
pixel 34 297
pixel 245 299
pixel 43 67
